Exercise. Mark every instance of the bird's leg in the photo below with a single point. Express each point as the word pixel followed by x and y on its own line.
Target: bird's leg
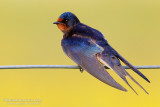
pixel 81 69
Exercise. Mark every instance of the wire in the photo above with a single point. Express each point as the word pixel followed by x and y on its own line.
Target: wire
pixel 68 67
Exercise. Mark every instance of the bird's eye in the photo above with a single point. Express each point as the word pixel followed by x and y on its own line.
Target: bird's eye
pixel 65 21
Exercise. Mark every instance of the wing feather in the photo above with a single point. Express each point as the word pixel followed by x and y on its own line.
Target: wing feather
pixel 84 54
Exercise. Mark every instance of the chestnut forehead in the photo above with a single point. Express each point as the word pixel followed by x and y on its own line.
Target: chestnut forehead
pixel 59 19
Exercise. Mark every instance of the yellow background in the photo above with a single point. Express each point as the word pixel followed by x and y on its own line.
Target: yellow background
pixel 28 37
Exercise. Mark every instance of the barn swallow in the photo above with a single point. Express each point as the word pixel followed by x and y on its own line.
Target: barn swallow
pixel 88 48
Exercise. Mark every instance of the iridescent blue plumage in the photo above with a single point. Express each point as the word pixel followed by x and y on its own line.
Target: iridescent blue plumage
pixel 88 48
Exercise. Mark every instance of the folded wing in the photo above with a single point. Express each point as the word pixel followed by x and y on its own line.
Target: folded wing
pixel 84 54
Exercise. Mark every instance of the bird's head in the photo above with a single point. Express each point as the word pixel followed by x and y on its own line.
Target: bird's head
pixel 66 21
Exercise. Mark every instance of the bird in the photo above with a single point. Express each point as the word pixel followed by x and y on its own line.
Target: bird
pixel 88 48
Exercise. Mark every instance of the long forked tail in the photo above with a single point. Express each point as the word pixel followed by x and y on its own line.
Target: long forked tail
pixel 119 70
pixel 131 66
pixel 108 61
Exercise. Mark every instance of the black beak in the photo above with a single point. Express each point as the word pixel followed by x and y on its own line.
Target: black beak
pixel 57 23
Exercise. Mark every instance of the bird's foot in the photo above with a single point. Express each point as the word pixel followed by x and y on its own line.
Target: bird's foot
pixel 81 69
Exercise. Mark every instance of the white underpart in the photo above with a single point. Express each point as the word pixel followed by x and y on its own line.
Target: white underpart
pixel 103 62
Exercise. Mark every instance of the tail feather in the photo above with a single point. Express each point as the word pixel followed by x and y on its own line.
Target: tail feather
pixel 120 70
pixel 136 82
pixel 130 86
pixel 130 65
pixel 108 61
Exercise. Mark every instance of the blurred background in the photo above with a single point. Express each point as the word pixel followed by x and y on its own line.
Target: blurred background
pixel 28 37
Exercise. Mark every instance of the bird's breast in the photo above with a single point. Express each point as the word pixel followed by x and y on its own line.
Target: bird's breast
pixel 74 41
